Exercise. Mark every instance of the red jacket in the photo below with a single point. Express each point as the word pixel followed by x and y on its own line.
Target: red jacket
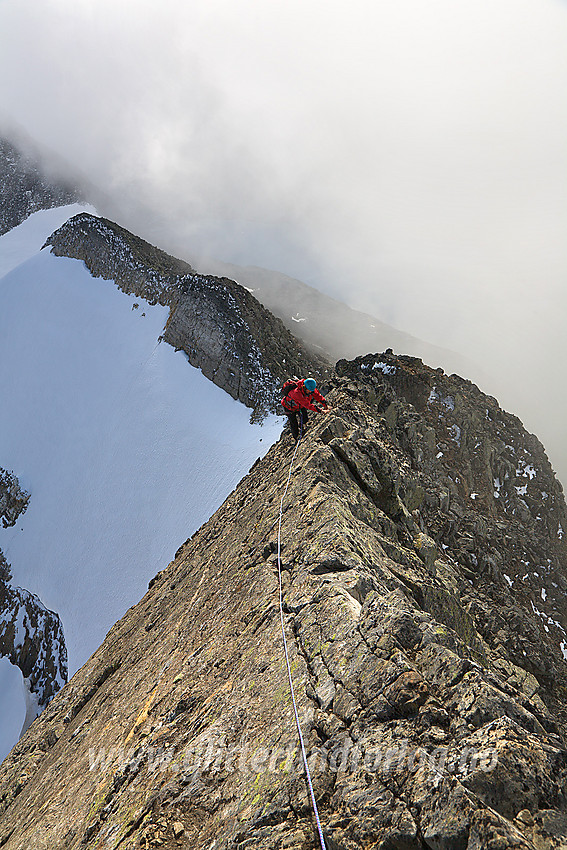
pixel 300 397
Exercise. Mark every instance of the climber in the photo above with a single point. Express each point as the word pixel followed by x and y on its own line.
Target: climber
pixel 299 397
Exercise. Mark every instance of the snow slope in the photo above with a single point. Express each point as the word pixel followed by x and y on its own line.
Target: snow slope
pixel 125 448
pixel 24 241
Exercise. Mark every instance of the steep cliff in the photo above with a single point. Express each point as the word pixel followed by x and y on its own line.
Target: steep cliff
pixel 424 568
pixel 223 329
pixel 25 188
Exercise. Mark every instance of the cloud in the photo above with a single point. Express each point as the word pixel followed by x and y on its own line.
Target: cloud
pixel 407 157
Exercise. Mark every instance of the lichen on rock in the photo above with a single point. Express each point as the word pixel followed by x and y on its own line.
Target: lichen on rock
pixel 431 694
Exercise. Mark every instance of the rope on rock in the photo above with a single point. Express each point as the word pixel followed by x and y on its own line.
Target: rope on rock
pixel 299 732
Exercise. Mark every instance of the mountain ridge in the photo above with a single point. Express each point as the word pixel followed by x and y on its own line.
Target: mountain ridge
pixel 95 408
pixel 431 688
pixel 225 331
pixel 332 327
pixel 424 577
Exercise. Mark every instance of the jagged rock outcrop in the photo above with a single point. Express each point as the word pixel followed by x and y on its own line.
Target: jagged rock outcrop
pixel 490 500
pixel 222 328
pixel 31 637
pixel 430 686
pixel 13 500
pixel 25 189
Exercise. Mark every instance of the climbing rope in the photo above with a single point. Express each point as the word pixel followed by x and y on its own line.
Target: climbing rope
pixel 299 732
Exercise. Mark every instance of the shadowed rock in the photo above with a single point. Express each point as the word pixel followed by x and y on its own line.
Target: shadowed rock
pixel 31 637
pixel 25 189
pixel 13 500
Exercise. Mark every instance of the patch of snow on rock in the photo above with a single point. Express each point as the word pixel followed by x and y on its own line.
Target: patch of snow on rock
pixel 385 368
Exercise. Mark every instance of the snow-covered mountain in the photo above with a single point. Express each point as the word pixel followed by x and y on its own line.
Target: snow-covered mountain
pixel 422 578
pixel 235 341
pixel 123 446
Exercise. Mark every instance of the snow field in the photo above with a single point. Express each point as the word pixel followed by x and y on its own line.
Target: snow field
pixel 25 240
pixel 125 448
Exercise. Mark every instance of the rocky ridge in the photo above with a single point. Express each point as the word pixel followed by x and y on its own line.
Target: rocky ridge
pixel 25 188
pixel 422 548
pixel 222 328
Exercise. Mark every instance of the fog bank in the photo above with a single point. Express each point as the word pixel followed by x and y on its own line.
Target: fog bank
pixel 408 158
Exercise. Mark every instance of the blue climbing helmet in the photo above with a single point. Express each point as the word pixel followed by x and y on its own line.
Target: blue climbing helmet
pixel 309 384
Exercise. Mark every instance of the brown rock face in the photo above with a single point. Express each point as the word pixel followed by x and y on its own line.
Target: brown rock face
pixel 222 328
pixel 428 668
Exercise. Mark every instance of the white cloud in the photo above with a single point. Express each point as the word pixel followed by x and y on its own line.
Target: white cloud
pixel 413 153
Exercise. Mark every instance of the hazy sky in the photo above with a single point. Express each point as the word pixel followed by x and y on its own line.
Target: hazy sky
pixel 407 157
